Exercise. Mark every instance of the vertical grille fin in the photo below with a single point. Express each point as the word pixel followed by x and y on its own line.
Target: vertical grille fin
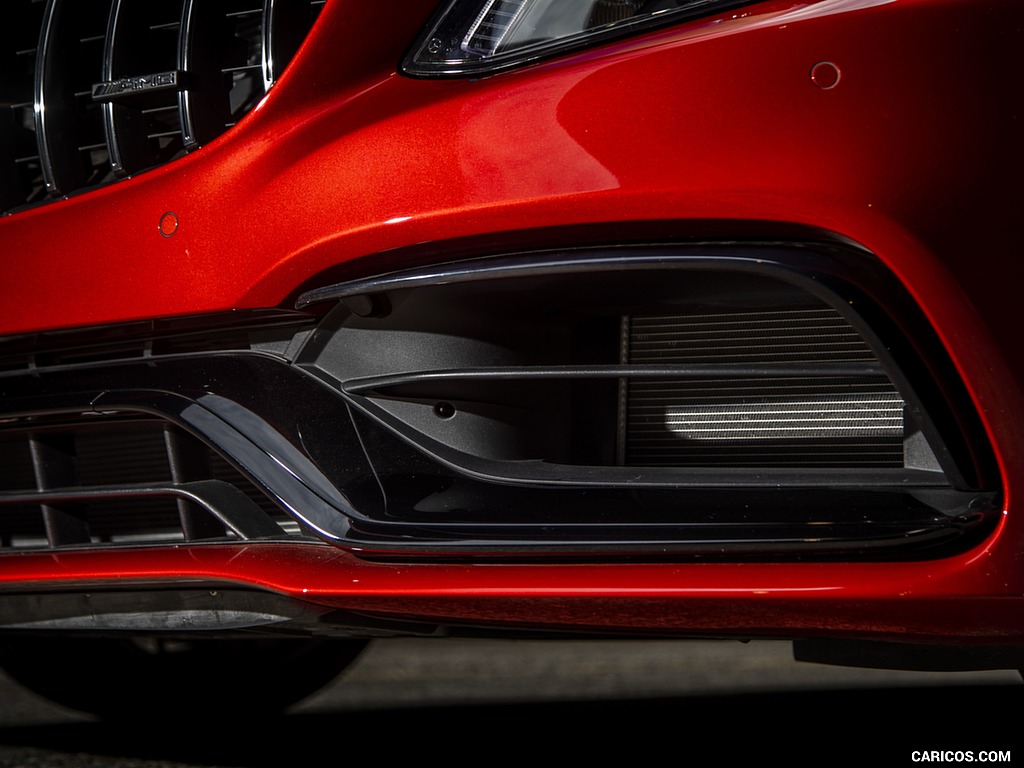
pixel 21 177
pixel 54 464
pixel 96 482
pixel 141 42
pixel 96 90
pixel 72 151
pixel 204 108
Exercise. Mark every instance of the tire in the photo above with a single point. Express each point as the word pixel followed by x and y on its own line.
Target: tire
pixel 145 678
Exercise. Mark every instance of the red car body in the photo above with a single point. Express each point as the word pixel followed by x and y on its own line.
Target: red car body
pixel 885 127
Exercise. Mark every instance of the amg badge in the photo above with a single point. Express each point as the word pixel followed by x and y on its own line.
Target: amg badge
pixel 128 87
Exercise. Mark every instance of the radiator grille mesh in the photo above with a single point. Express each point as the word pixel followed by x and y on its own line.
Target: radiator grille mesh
pixel 807 420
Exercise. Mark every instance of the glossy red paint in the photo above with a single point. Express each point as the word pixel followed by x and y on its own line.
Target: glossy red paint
pixel 406 161
pixel 928 601
pixel 714 129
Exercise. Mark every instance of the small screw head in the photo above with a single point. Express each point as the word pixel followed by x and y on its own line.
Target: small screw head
pixel 444 410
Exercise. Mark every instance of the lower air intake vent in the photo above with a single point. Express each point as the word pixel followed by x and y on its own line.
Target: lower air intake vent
pixel 94 90
pixel 693 367
pixel 644 403
pixel 701 400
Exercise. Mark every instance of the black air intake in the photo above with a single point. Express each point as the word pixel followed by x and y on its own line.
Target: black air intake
pixel 690 367
pixel 482 409
pixel 88 481
pixel 94 90
pixel 732 401
pixel 83 477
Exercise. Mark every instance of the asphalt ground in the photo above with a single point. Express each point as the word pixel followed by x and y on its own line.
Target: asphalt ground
pixel 471 702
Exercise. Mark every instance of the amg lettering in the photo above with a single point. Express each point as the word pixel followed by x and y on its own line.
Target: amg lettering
pixel 126 87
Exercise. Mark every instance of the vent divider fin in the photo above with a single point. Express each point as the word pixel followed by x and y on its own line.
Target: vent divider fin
pixel 682 371
pixel 54 464
pixel 622 394
pixel 190 462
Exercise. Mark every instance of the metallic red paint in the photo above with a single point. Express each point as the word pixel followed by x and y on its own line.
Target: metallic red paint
pixel 927 601
pixel 405 161
pixel 713 129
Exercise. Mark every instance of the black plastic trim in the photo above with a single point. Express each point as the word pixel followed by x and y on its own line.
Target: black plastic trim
pixel 342 469
pixel 293 437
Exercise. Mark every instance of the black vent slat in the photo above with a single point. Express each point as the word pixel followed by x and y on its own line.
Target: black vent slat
pixel 129 501
pixel 95 90
pixel 108 481
pixel 53 459
pixel 188 462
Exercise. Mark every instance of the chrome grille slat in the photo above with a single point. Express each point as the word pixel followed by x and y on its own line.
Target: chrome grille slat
pixel 56 138
pixel 203 112
pixel 133 50
pixel 64 119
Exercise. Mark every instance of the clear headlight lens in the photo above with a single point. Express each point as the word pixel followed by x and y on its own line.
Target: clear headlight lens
pixel 477 36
